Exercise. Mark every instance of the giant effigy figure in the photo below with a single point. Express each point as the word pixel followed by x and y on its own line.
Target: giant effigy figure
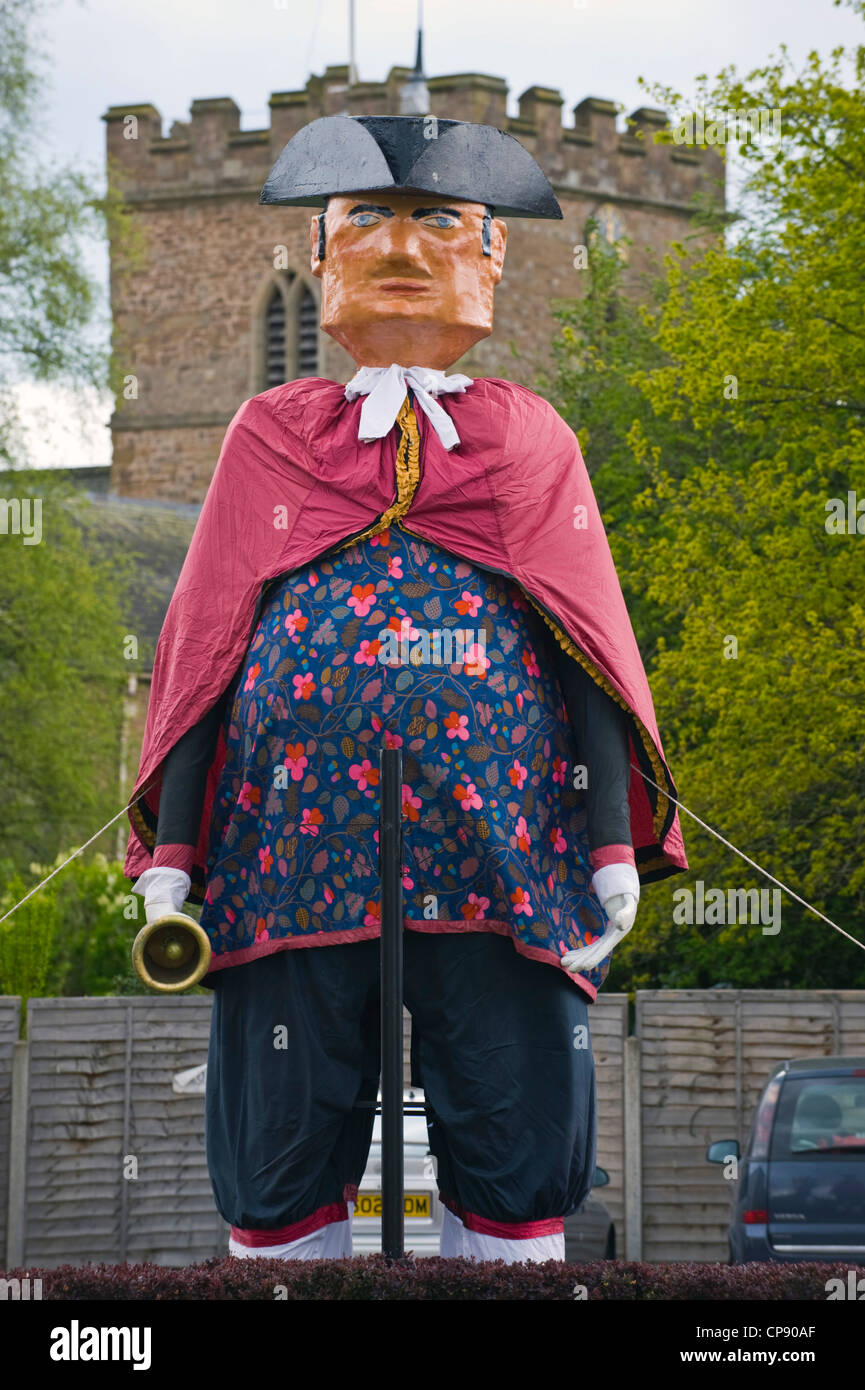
pixel 413 560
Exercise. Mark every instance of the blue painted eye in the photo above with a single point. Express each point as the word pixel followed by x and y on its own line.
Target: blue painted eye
pixel 364 219
pixel 439 221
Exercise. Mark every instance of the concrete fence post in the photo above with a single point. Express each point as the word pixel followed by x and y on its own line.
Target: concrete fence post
pixel 19 1110
pixel 633 1151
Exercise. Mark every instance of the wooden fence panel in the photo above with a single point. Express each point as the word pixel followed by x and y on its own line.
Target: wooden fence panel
pixel 116 1165
pixel 608 1026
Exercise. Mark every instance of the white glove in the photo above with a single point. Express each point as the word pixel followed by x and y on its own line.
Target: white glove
pixel 617 886
pixel 164 890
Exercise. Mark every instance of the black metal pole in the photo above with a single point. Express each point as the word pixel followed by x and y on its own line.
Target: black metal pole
pixel 390 864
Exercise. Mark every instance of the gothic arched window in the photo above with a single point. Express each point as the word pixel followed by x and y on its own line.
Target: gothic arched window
pixel 307 334
pixel 285 332
pixel 606 229
pixel 275 340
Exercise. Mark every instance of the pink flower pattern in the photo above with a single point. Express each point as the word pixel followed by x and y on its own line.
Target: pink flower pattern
pixel 493 828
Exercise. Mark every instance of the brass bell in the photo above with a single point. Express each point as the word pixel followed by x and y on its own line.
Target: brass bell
pixel 172 953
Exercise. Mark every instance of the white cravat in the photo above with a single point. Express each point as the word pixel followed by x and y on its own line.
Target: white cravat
pixel 385 391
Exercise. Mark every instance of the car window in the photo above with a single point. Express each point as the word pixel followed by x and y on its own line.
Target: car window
pixel 821 1116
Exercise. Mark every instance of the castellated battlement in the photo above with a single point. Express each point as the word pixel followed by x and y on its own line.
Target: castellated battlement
pixel 209 155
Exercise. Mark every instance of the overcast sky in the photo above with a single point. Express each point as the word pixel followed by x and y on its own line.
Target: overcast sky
pixel 169 52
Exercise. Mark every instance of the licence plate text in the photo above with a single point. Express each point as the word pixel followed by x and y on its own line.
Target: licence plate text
pixel 415 1204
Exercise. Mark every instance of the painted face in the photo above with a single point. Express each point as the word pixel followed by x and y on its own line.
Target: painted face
pixel 404 278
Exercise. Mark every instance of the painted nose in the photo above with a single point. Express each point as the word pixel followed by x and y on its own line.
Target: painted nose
pixel 401 246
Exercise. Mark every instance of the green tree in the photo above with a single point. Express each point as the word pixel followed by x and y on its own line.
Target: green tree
pixel 61 678
pixel 48 300
pixel 72 937
pixel 27 938
pixel 780 306
pixel 61 660
pixel 766 745
pixel 755 348
pixel 97 919
pixel 605 348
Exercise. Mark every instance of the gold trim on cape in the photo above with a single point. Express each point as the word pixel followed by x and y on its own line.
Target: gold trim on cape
pixel 145 834
pixel 407 475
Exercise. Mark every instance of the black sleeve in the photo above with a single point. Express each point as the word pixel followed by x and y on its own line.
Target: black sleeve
pixel 184 777
pixel 601 738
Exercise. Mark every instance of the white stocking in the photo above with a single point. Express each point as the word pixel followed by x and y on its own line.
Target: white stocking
pixel 457 1240
pixel 331 1242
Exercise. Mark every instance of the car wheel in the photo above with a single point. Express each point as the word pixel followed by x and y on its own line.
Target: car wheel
pixel 610 1252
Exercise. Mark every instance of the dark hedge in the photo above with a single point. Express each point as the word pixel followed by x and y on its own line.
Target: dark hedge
pixel 370 1278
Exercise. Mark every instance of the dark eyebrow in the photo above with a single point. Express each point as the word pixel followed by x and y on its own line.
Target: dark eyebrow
pixel 370 207
pixel 425 212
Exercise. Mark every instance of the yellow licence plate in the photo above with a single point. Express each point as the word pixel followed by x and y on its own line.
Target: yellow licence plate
pixel 414 1204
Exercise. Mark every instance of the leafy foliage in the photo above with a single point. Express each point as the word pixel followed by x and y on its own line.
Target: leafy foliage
pixel 61 681
pixel 48 299
pixel 26 941
pixel 74 936
pixel 733 405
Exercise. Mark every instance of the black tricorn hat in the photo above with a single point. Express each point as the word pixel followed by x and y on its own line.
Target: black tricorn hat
pixel 356 154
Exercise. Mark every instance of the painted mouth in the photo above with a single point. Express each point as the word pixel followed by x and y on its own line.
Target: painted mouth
pixel 403 287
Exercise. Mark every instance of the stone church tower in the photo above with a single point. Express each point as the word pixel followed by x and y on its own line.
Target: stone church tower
pixel 220 303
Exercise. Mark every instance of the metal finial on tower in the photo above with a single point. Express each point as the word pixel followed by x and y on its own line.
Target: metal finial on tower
pixel 352 65
pixel 414 99
pixel 418 58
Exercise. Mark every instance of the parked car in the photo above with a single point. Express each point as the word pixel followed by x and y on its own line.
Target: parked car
pixel 589 1233
pixel 800 1193
pixel 423 1210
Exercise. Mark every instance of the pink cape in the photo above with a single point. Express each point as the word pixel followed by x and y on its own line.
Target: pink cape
pixel 293 481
